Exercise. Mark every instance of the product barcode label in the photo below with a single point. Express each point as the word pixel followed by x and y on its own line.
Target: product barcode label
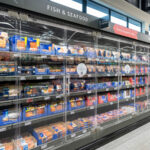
pixel 39 77
pixel 44 146
pixel 27 123
pixel 22 78
pixel 47 98
pixel 2 129
pixel 73 135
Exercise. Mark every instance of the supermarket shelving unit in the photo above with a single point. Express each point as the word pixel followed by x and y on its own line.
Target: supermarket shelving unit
pixel 66 34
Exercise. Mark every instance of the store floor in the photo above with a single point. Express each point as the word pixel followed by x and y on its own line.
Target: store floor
pixel 138 139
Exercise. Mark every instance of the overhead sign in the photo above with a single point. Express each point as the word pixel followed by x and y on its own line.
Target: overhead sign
pixel 118 29
pixel 103 23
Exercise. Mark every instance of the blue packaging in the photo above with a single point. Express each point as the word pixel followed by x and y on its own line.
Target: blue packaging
pixel 56 70
pixel 10 116
pixel 41 71
pixel 61 50
pixel 33 45
pixel 47 49
pixel 76 103
pixel 55 107
pixel 90 52
pixel 4 42
pixel 76 51
pixel 18 44
pixel 34 111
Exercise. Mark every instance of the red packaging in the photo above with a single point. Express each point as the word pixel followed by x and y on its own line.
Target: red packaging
pixel 112 97
pixel 90 100
pixel 142 91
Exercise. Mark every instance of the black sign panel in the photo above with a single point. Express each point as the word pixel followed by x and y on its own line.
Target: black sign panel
pixel 52 9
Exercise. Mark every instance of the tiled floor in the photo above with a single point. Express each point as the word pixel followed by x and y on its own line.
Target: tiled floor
pixel 138 139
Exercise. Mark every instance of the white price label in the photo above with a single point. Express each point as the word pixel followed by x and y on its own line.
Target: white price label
pixel 84 131
pixel 108 75
pixel 44 146
pixel 52 77
pixel 111 103
pixel 107 89
pixel 72 112
pixel 60 57
pixel 71 58
pixel 127 99
pixel 47 98
pixel 27 123
pixel 73 135
pixel 44 56
pixel 97 59
pixel 39 77
pixel 89 59
pixel 2 129
pixel 22 78
pixel 89 92
pixel 16 55
pixel 58 96
pixel 89 75
pixel 92 107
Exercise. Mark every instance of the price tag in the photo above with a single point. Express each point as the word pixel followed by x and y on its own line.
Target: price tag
pixel 47 98
pixel 89 59
pixel 22 78
pixel 72 112
pixel 127 99
pixel 137 96
pixel 52 77
pixel 27 123
pixel 30 100
pixel 2 129
pixel 107 89
pixel 44 56
pixel 111 103
pixel 89 92
pixel 108 75
pixel 89 75
pixel 39 77
pixel 58 96
pixel 97 59
pixel 44 146
pixel 92 107
pixel 71 58
pixel 60 57
pixel 84 131
pixel 16 55
pixel 73 135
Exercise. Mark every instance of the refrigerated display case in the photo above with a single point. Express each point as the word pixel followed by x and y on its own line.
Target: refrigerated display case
pixel 64 85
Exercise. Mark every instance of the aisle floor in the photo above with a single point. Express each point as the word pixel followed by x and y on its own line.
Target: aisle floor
pixel 138 139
